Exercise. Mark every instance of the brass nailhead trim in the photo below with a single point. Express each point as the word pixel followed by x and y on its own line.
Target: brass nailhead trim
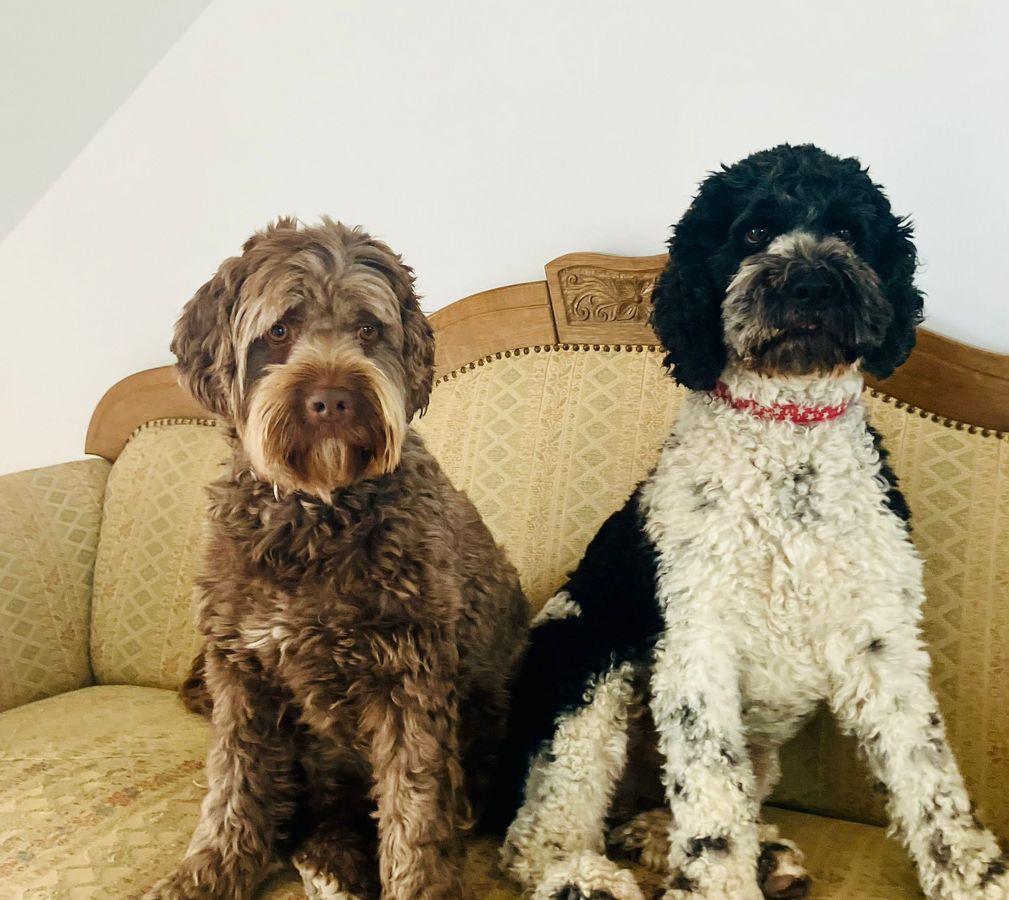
pixel 152 423
pixel 541 348
pixel 945 421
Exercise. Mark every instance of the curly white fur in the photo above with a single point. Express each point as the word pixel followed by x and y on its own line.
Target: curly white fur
pixel 571 784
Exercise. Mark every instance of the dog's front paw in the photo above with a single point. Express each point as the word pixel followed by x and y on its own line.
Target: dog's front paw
pixel 780 870
pixel 587 876
pixel 574 892
pixel 322 883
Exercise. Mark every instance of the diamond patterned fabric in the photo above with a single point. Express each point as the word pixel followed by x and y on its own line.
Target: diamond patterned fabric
pixel 49 520
pixel 142 625
pixel 100 789
pixel 553 442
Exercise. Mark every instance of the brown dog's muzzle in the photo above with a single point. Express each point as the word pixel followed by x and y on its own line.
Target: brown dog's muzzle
pixel 317 423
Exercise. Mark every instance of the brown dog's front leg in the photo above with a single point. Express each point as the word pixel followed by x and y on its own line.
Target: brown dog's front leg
pixel 418 786
pixel 251 790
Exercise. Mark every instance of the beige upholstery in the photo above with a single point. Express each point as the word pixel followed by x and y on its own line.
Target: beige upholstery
pixel 99 788
pixel 141 628
pixel 48 534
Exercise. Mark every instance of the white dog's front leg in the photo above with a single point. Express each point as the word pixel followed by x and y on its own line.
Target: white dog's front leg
pixel 713 843
pixel 880 693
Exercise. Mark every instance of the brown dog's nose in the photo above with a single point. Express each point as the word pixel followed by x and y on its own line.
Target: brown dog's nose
pixel 329 404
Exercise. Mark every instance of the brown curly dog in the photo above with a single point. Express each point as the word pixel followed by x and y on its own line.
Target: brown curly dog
pixel 361 624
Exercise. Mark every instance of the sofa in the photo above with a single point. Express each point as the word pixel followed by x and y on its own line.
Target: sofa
pixel 550 404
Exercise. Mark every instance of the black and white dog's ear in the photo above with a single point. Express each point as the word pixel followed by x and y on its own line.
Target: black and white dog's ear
pixel 898 261
pixel 686 301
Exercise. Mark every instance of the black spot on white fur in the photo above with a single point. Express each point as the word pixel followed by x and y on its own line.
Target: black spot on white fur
pixel 682 883
pixel 995 869
pixel 708 844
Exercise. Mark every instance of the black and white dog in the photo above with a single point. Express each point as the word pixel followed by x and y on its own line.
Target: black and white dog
pixel 764 566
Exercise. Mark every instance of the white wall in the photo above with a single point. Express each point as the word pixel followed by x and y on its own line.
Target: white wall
pixel 65 66
pixel 482 139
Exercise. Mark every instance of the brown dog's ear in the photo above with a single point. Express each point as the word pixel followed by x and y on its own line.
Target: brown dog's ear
pixel 202 341
pixel 418 336
pixel 418 353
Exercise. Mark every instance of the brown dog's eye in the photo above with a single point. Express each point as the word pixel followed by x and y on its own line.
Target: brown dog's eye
pixel 367 332
pixel 756 235
pixel 279 333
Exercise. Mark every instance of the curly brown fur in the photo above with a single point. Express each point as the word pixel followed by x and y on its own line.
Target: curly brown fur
pixel 361 624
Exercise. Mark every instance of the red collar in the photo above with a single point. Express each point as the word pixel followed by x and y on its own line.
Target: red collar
pixel 780 412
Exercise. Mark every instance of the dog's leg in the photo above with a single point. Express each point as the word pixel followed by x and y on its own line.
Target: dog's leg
pixel 556 842
pixel 780 870
pixel 418 786
pixel 251 791
pixel 710 788
pixel 880 692
pixel 337 857
pixel 336 861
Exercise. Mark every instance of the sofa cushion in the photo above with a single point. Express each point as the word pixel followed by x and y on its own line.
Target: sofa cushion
pixel 100 789
pixel 142 627
pixel 49 524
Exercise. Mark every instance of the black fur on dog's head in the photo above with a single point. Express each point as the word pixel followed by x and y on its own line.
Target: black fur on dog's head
pixel 789 262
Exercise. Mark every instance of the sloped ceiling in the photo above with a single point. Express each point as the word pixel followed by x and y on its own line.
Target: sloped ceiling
pixel 65 67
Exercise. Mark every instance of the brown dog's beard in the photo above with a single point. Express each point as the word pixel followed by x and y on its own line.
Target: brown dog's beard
pixel 284 448
pixel 768 334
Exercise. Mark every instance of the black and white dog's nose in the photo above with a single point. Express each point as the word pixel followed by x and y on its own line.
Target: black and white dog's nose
pixel 329 404
pixel 813 289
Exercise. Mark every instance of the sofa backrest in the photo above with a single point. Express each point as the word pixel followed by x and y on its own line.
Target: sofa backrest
pixel 155 500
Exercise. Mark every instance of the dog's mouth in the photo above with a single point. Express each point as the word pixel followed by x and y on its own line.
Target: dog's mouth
pixel 803 347
pixel 799 333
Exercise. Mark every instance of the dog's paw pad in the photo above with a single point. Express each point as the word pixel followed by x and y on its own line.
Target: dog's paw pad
pixel 323 886
pixel 780 871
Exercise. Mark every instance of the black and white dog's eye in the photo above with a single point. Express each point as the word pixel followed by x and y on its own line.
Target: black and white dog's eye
pixel 279 333
pixel 843 233
pixel 756 235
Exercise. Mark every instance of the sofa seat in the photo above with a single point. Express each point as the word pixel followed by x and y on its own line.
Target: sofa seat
pixel 100 789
